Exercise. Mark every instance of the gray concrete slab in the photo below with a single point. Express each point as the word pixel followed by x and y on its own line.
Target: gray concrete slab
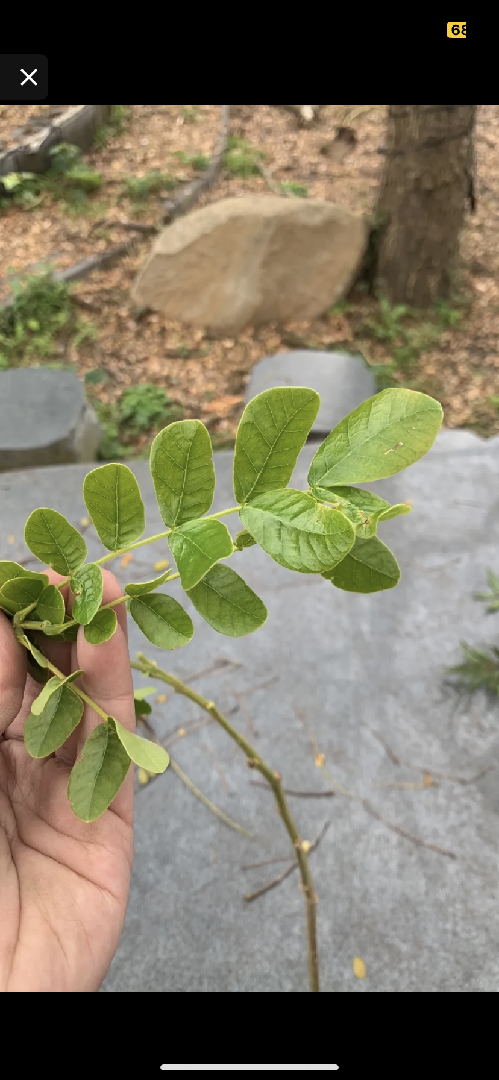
pixel 343 381
pixel 346 667
pixel 45 419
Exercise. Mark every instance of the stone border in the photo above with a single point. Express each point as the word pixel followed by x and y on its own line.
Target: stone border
pixel 77 125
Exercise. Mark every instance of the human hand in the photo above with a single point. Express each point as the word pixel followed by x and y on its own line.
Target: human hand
pixel 64 884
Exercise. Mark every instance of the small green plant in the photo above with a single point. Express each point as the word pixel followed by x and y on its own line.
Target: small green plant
pixel 199 162
pixel 68 176
pixel 40 311
pixel 328 530
pixel 291 188
pixel 189 113
pixel 20 189
pixel 115 125
pixel 241 158
pixel 140 188
pixel 144 406
pixel 480 670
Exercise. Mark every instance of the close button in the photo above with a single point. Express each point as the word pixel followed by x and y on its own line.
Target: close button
pixel 23 77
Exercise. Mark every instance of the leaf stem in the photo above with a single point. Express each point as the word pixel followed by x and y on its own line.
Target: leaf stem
pixel 81 693
pixel 300 847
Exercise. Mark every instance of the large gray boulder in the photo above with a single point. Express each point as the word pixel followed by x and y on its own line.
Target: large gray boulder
pixel 45 419
pixel 252 260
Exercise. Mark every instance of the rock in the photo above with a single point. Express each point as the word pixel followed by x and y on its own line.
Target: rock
pixel 345 667
pixel 45 419
pixel 252 260
pixel 342 380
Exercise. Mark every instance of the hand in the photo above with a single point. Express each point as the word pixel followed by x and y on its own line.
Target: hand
pixel 64 884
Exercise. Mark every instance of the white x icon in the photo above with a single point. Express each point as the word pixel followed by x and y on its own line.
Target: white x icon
pixel 29 78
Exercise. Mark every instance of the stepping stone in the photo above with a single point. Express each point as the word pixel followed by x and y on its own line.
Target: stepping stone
pixel 45 419
pixel 343 381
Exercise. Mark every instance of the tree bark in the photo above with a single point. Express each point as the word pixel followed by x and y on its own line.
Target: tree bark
pixel 428 177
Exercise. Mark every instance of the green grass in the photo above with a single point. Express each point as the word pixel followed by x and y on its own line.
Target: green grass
pixel 68 180
pixel 241 158
pixel 198 162
pixel 480 670
pixel 115 125
pixel 406 333
pixel 189 113
pixel 139 188
pixel 300 190
pixel 42 311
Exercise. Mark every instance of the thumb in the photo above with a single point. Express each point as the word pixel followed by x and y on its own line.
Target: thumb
pixel 13 671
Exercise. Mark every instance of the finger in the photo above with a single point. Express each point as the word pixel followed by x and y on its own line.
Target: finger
pixel 12 674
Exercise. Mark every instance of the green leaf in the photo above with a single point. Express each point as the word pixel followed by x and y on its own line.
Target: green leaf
pixel 10 570
pixel 54 541
pixel 99 773
pixel 145 754
pixel 162 620
pixel 297 532
pixel 244 540
pixel 227 603
pixel 20 592
pixel 102 627
pixel 46 731
pixel 368 568
pixel 40 675
pixel 147 586
pixel 381 437
pixel 49 688
pixel 39 657
pixel 273 430
pixel 113 500
pixel 143 692
pixel 50 606
pixel 362 508
pixel 197 546
pixel 395 511
pixel 182 471
pixel 142 707
pixel 87 586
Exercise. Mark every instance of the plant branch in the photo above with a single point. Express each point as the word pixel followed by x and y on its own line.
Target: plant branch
pixel 286 873
pixel 300 847
pixel 207 802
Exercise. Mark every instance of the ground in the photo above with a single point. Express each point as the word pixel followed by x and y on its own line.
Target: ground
pixel 452 354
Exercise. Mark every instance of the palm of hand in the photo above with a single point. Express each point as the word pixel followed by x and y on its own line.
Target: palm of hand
pixel 63 883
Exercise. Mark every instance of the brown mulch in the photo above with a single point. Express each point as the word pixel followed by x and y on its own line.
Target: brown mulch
pixel 208 377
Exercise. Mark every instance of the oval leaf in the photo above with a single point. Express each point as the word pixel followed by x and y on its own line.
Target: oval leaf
pixel 10 570
pixel 362 508
pixel 381 437
pixel 297 532
pixel 99 773
pixel 49 688
pixel 101 628
pixel 227 603
pixel 50 606
pixel 273 429
pixel 46 731
pixel 395 511
pixel 197 546
pixel 368 568
pixel 244 540
pixel 40 675
pixel 22 591
pixel 113 500
pixel 146 586
pixel 162 620
pixel 143 752
pixel 182 471
pixel 87 586
pixel 54 541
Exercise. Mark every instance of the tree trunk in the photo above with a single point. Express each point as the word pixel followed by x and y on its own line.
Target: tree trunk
pixel 428 177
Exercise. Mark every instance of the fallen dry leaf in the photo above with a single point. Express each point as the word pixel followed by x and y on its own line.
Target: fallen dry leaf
pixel 359 968
pixel 126 560
pixel 163 564
pixel 320 760
pixel 161 698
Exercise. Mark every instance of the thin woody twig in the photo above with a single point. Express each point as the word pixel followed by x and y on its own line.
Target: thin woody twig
pixel 429 772
pixel 286 873
pixel 300 794
pixel 207 802
pixel 300 847
pixel 407 835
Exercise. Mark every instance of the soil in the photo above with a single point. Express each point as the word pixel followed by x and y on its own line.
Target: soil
pixel 208 377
